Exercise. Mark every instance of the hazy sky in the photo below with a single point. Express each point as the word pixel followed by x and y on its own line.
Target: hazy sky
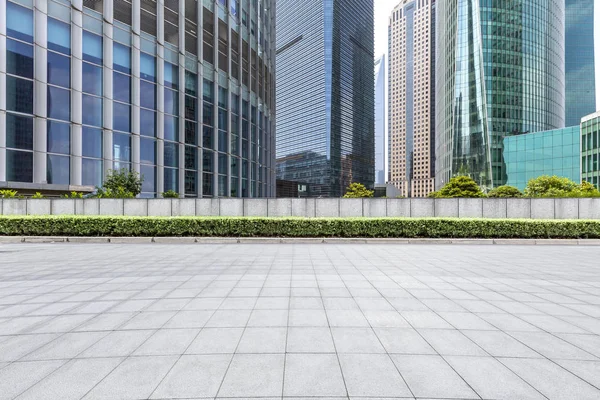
pixel 383 9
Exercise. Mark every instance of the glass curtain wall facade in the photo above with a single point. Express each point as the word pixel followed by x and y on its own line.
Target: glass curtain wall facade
pixel 551 153
pixel 580 60
pixel 590 149
pixel 500 70
pixel 325 94
pixel 181 92
pixel 380 121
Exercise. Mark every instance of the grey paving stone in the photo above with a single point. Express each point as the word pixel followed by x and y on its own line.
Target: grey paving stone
pixel 425 319
pixel 356 340
pixel 492 380
pixel 313 375
pixel 551 380
pixel 216 341
pixel 268 318
pixel 451 342
pixel 73 380
pixel 66 346
pixel 135 378
pixel 403 341
pixel 194 376
pixel 372 375
pixel 347 318
pixel 229 319
pixel 167 342
pixel 466 321
pixel 117 344
pixel 431 376
pixel 14 348
pixel 307 318
pixel 265 380
pixel 589 371
pixel 589 343
pixel 189 319
pixel 18 377
pixel 263 340
pixel 500 344
pixel 551 346
pixel 309 340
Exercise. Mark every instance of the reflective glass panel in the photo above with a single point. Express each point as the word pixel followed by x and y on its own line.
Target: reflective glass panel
pixel 19 22
pixel 92 79
pixel 121 147
pixel 59 103
pixel 92 48
pixel 121 117
pixel 147 122
pixel 171 128
pixel 147 151
pixel 121 58
pixel 19 59
pixel 19 166
pixel 92 110
pixel 121 87
pixel 91 142
pixel 148 95
pixel 19 95
pixel 19 132
pixel 91 174
pixel 59 169
pixel 59 36
pixel 149 182
pixel 59 137
pixel 171 154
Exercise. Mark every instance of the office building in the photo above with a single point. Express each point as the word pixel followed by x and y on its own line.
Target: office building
pixel 555 152
pixel 325 94
pixel 590 149
pixel 380 121
pixel 581 60
pixel 500 70
pixel 411 99
pixel 180 91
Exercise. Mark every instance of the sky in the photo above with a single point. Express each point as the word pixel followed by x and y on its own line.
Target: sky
pixel 383 9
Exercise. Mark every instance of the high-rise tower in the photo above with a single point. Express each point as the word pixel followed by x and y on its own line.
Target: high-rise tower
pixel 412 97
pixel 180 91
pixel 500 70
pixel 581 60
pixel 325 93
pixel 380 121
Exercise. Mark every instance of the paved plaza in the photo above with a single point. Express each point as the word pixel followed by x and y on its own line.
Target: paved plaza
pixel 299 321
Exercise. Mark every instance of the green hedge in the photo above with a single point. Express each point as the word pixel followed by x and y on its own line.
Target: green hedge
pixel 297 227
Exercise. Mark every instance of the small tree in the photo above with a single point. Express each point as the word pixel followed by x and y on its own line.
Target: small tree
pixel 549 186
pixel 505 192
pixel 357 190
pixel 459 186
pixel 122 184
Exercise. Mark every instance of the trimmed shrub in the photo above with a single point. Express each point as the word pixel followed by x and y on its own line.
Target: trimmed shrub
pixel 505 192
pixel 358 190
pixel 37 195
pixel 8 194
pixel 297 227
pixel 459 186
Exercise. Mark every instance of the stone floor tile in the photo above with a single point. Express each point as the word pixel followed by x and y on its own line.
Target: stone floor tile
pixel 20 376
pixel 229 319
pixel 500 344
pixel 67 346
pixel 263 340
pixel 312 318
pixel 105 322
pixel 72 381
pixel 272 303
pixel 403 341
pixel 589 343
pixel 492 380
pixel 149 320
pixel 167 342
pixel 551 380
pixel 117 344
pixel 347 318
pixel 254 375
pixel 589 371
pixel 451 342
pixel 268 318
pixel 313 375
pixel 194 376
pixel 386 319
pixel 189 319
pixel 135 378
pixel 551 346
pixel 372 375
pixel 356 340
pixel 216 341
pixel 466 321
pixel 309 340
pixel 425 319
pixel 305 303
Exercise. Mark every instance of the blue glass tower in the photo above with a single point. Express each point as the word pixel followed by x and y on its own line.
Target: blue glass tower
pixel 500 71
pixel 325 93
pixel 580 63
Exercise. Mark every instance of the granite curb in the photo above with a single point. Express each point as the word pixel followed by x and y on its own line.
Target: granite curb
pixel 234 240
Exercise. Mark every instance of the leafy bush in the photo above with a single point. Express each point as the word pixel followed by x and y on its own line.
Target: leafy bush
pixel 170 194
pixel 358 190
pixel 459 186
pixel 296 227
pixel 554 186
pixel 505 192
pixel 8 194
pixel 122 184
pixel 37 195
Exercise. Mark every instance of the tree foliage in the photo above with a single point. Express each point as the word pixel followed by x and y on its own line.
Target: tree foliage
pixel 122 184
pixel 555 186
pixel 505 191
pixel 459 186
pixel 357 190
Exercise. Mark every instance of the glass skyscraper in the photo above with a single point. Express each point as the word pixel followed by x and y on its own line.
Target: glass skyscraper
pixel 180 91
pixel 580 60
pixel 500 70
pixel 325 94
pixel 380 121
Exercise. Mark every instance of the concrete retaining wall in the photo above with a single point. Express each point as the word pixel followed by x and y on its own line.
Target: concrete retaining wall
pixel 459 208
